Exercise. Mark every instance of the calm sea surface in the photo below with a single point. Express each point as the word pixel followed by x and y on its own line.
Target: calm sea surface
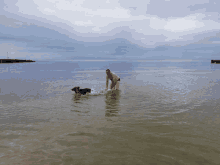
pixel 165 113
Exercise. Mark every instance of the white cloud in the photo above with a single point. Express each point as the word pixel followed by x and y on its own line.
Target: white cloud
pixel 83 23
pixel 49 10
pixel 182 29
pixel 187 23
pixel 183 24
pixel 76 13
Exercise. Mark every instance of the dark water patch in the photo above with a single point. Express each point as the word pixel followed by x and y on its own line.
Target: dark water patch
pixel 111 113
pixel 81 134
pixel 80 111
pixel 82 99
pixel 13 114
pixel 9 136
pixel 17 120
pixel 75 111
pixel 4 146
pixel 44 161
pixel 41 157
pixel 16 128
pixel 69 143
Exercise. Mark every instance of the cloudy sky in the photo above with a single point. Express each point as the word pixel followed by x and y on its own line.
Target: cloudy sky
pixel 66 29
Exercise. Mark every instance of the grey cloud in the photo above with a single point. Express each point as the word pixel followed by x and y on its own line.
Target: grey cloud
pixel 10 22
pixel 171 8
pixel 214 39
pixel 121 50
pixel 160 48
pixel 211 6
pixel 205 37
pixel 7 38
pixel 160 8
pixel 137 7
pixel 64 48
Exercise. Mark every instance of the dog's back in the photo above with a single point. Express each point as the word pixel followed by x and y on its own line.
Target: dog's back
pixel 81 91
pixel 88 90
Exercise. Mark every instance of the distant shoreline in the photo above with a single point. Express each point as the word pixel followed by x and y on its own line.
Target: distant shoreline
pixel 14 61
pixel 215 61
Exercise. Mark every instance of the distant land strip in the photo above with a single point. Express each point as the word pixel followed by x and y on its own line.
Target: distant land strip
pixel 215 61
pixel 14 60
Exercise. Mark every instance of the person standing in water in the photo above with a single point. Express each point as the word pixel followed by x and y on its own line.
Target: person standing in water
pixel 114 80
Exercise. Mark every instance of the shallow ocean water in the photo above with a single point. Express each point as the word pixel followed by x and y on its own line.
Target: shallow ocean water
pixel 165 113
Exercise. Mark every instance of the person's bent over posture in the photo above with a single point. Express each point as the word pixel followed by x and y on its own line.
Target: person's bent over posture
pixel 114 80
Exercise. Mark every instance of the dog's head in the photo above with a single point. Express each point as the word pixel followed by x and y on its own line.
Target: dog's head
pixel 76 89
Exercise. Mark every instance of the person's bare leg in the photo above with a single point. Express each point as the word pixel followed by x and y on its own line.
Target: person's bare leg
pixel 117 85
pixel 113 84
pixel 113 87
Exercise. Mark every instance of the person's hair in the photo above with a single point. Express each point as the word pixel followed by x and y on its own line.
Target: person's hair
pixel 107 70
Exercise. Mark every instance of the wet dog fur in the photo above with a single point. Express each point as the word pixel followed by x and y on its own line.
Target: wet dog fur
pixel 81 91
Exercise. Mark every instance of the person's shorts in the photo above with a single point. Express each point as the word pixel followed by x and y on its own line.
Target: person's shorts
pixel 115 79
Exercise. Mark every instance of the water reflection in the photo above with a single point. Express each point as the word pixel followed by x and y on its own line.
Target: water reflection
pixel 215 66
pixel 78 98
pixel 80 103
pixel 112 103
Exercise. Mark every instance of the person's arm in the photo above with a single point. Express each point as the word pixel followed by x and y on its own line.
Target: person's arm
pixel 107 82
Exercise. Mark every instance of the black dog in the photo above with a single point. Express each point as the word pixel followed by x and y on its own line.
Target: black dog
pixel 81 91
